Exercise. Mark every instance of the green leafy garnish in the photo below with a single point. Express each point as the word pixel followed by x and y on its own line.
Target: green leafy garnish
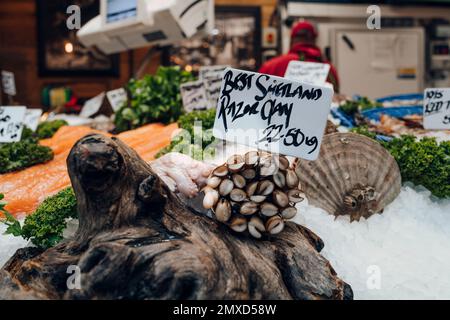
pixel 45 226
pixel 364 130
pixel 421 161
pixel 154 98
pixel 351 107
pixel 47 129
pixel 23 154
pixel 197 142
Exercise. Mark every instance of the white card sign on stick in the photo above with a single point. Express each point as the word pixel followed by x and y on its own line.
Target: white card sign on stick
pixel 212 87
pixel 32 117
pixel 308 72
pixel 272 113
pixel 436 108
pixel 8 83
pixel 212 78
pixel 193 95
pixel 117 98
pixel 92 106
pixel 211 72
pixel 11 119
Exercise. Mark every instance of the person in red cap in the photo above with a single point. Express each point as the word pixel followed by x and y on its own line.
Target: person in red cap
pixel 303 48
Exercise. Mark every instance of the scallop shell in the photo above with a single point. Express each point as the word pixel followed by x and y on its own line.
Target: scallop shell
pixel 350 164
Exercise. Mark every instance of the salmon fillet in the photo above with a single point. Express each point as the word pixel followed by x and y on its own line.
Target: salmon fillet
pixel 26 189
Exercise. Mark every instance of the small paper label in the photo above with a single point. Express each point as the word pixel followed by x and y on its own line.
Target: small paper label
pixel 208 72
pixel 11 123
pixel 92 106
pixel 117 98
pixel 8 83
pixel 308 72
pixel 193 95
pixel 436 108
pixel 272 113
pixel 31 119
pixel 212 78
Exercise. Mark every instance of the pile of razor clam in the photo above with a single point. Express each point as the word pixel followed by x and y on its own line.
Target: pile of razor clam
pixel 255 192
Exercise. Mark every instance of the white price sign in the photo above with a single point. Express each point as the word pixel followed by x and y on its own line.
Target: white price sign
pixel 211 72
pixel 212 78
pixel 272 113
pixel 117 98
pixel 92 106
pixel 11 119
pixel 8 83
pixel 193 95
pixel 436 108
pixel 309 72
pixel 32 117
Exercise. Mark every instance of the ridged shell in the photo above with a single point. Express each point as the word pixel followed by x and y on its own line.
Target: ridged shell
pixel 349 162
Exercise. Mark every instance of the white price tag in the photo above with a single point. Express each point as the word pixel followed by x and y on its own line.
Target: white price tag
pixel 31 119
pixel 92 106
pixel 436 108
pixel 212 78
pixel 272 113
pixel 8 83
pixel 117 98
pixel 193 95
pixel 11 119
pixel 208 72
pixel 308 72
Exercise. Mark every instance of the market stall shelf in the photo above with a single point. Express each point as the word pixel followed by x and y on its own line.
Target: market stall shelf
pixel 354 175
pixel 136 240
pixel 24 190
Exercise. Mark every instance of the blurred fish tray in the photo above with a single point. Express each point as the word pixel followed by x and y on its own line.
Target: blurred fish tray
pixel 397 112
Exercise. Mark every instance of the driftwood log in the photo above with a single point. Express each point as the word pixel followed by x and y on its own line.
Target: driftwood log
pixel 137 240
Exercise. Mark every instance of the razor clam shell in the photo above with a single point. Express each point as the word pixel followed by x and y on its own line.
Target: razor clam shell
pixel 235 163
pixel 256 227
pixel 223 210
pixel 239 181
pixel 238 195
pixel 213 181
pixel 251 188
pixel 251 158
pixel 220 171
pixel 238 224
pixel 265 187
pixel 289 213
pixel 249 174
pixel 249 208
pixel 348 161
pixel 225 187
pixel 258 198
pixel 283 163
pixel 275 225
pixel 279 179
pixel 211 197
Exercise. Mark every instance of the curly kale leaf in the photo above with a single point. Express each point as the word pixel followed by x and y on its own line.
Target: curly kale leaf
pixel 185 141
pixel 47 129
pixel 46 225
pixel 351 107
pixel 423 162
pixel 154 98
pixel 19 155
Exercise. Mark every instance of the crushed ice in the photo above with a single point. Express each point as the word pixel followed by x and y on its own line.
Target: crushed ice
pixel 403 253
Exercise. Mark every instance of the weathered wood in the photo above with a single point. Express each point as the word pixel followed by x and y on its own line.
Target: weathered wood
pixel 137 240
